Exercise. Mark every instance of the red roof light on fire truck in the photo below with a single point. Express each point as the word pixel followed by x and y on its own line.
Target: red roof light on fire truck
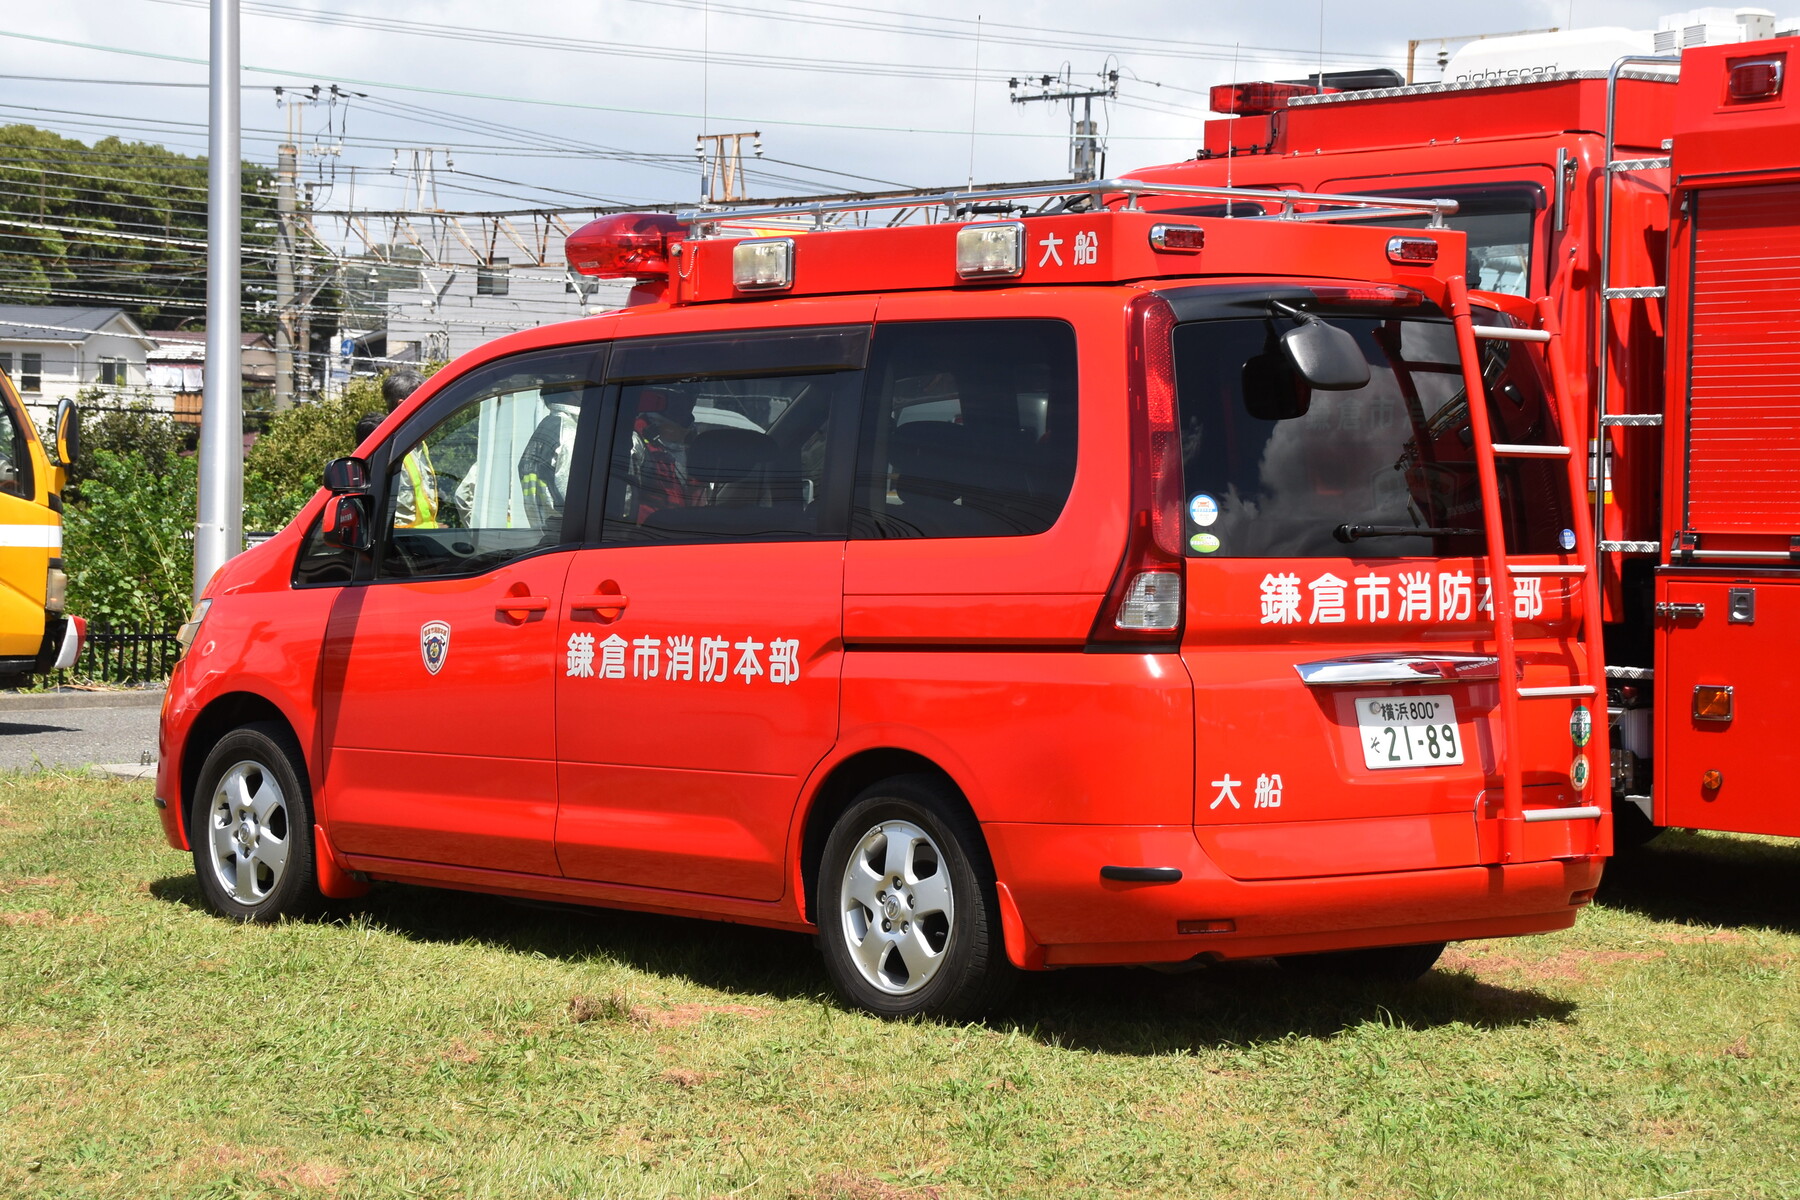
pixel 763 264
pixel 1368 295
pixel 1404 250
pixel 992 250
pixel 624 246
pixel 1754 79
pixel 1178 239
pixel 1258 99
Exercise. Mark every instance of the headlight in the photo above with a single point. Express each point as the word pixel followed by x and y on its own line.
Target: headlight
pixel 56 590
pixel 190 628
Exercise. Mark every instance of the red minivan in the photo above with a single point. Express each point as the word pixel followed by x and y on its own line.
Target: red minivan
pixel 988 596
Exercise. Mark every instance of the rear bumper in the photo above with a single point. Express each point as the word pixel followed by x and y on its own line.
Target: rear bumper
pixel 1071 915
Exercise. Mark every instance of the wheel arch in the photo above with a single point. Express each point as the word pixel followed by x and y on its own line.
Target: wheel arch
pixel 840 785
pixel 221 715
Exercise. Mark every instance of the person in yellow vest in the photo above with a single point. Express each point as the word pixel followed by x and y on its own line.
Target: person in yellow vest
pixel 416 486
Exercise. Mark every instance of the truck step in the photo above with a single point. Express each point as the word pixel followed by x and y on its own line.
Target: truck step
pixel 1634 293
pixel 1632 419
pixel 1550 693
pixel 1630 547
pixel 1514 450
pixel 1625 165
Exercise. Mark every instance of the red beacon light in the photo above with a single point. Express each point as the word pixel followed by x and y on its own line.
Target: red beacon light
pixel 624 246
pixel 1754 79
pixel 1259 99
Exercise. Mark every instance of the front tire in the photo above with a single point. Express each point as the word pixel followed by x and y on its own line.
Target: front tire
pixel 252 827
pixel 907 913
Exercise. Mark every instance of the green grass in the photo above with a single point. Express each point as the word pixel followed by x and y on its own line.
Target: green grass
pixel 432 1044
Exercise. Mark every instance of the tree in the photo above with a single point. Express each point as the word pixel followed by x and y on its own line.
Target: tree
pixel 122 223
pixel 283 468
pixel 129 541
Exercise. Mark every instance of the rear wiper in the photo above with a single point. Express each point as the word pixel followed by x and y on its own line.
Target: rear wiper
pixel 1352 533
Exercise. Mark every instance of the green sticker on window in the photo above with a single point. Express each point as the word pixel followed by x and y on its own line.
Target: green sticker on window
pixel 1204 543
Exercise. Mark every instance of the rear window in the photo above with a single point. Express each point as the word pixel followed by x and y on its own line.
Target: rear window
pixel 1355 473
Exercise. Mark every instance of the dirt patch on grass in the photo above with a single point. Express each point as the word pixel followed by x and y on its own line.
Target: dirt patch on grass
pixel 1566 966
pixel 8 886
pixel 683 1015
pixel 851 1185
pixel 1738 1048
pixel 681 1077
pixel 1681 935
pixel 583 1009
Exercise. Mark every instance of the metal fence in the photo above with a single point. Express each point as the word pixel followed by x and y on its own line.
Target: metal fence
pixel 124 654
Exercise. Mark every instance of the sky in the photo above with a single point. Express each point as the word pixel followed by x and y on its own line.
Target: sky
pixel 542 103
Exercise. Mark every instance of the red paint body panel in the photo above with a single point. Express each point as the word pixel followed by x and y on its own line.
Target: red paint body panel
pixel 666 780
pixel 1756 751
pixel 1717 138
pixel 1050 868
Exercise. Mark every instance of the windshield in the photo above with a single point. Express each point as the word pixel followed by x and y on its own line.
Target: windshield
pixel 1273 471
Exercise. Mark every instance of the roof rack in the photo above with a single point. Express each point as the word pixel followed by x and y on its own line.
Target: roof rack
pixel 1651 75
pixel 1334 207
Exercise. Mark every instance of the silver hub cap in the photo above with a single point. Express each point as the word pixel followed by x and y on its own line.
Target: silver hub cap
pixel 896 907
pixel 250 835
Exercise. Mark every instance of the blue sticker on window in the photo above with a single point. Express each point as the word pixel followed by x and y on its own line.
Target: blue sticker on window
pixel 1203 510
pixel 1566 539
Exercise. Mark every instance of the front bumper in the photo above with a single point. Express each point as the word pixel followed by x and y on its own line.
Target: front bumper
pixel 1071 915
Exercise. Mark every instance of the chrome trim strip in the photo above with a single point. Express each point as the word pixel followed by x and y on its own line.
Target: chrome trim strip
pixel 1587 812
pixel 1364 669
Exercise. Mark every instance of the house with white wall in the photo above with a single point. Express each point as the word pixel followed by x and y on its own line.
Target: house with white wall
pixel 54 351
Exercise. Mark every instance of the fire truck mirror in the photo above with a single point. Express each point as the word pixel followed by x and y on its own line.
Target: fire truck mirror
pixel 1325 357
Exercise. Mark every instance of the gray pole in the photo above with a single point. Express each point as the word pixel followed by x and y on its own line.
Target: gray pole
pixel 218 534
pixel 284 278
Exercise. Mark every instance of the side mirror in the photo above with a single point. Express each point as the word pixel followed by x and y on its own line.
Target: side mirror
pixel 347 475
pixel 68 434
pixel 346 523
pixel 1327 358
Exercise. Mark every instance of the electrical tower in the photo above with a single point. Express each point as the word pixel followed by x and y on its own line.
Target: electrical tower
pixel 722 170
pixel 1086 155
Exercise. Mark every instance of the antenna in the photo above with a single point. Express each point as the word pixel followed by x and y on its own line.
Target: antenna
pixel 974 98
pixel 1228 154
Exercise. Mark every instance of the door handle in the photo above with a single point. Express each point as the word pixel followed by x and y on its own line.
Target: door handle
pixel 1676 612
pixel 602 602
pixel 523 604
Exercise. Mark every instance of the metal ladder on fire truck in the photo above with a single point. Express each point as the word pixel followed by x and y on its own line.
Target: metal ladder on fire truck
pixel 1604 420
pixel 1504 570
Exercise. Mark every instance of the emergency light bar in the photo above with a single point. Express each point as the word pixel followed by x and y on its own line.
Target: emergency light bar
pixel 624 246
pixel 1259 99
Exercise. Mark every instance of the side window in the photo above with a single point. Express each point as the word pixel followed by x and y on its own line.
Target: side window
pixel 15 456
pixel 969 432
pixel 490 481
pixel 723 459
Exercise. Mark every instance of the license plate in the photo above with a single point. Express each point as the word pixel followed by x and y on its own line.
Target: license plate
pixel 1408 731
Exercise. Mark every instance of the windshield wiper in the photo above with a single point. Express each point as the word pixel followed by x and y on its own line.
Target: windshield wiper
pixel 1352 533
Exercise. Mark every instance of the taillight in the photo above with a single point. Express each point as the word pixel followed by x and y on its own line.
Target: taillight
pixel 624 246
pixel 1144 603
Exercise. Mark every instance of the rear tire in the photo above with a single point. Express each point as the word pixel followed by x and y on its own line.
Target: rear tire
pixel 251 827
pixel 908 917
pixel 1385 964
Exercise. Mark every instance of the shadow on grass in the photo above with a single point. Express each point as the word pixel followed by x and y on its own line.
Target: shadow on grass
pixel 1108 1010
pixel 1708 879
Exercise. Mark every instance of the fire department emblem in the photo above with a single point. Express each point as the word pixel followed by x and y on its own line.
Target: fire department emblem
pixel 434 645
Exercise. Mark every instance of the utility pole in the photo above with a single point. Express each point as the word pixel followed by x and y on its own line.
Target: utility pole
pixel 1086 155
pixel 219 530
pixel 722 172
pixel 286 173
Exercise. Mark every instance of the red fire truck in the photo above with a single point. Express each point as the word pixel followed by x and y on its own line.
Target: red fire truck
pixel 1656 205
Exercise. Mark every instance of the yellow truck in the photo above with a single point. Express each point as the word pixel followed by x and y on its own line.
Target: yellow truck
pixel 36 635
